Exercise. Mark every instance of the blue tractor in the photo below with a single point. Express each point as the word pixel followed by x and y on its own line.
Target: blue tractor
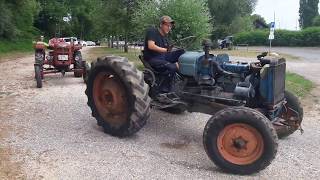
pixel 248 102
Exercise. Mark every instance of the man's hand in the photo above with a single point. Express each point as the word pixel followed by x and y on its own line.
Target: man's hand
pixel 170 47
pixel 152 46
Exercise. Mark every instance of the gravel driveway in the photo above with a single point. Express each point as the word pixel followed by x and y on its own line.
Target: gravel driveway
pixel 49 133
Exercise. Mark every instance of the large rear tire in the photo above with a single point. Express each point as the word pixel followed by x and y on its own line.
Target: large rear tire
pixel 118 96
pixel 240 140
pixel 292 116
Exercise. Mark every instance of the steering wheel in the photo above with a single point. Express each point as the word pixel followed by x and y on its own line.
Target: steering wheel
pixel 179 44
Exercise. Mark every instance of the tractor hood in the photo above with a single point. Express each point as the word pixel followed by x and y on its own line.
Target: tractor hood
pixel 188 62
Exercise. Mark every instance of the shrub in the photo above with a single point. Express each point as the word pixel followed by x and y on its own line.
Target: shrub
pixel 306 37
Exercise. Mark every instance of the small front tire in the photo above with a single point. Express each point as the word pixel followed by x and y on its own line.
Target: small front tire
pixel 292 115
pixel 240 140
pixel 37 71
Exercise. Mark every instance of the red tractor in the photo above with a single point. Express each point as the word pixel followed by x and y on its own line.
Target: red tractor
pixel 61 56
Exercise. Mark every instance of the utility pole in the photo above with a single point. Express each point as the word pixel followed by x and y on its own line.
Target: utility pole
pixel 272 28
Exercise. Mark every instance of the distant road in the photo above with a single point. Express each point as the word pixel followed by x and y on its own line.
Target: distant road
pixel 308 65
pixel 305 53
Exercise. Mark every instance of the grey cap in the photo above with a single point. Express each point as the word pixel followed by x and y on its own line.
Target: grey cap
pixel 166 19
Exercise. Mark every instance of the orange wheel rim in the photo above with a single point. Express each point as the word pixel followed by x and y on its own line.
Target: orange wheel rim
pixel 110 98
pixel 240 144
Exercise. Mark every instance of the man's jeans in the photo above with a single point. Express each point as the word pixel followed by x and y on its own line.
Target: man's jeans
pixel 166 62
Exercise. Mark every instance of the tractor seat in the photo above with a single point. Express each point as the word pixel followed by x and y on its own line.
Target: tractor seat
pixel 148 66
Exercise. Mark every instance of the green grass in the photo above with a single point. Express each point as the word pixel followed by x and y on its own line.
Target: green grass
pixel 96 52
pixel 14 48
pixel 17 45
pixel 294 83
pixel 298 84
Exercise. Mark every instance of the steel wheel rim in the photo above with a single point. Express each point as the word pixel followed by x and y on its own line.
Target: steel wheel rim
pixel 110 98
pixel 240 144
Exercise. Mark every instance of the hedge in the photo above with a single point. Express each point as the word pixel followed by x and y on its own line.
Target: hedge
pixel 306 37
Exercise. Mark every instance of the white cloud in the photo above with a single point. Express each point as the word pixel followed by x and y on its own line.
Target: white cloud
pixel 286 12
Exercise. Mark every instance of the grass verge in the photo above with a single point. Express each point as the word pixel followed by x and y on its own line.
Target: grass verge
pixel 96 52
pixel 298 84
pixel 8 49
pixel 294 83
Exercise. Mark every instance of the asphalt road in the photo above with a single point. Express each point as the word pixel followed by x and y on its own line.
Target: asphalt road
pixel 51 135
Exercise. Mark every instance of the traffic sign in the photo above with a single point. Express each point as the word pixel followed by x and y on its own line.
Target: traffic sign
pixel 272 25
pixel 271 36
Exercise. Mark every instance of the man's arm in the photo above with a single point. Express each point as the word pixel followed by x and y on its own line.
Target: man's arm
pixel 152 46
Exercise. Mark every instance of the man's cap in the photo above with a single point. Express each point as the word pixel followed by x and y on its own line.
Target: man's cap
pixel 166 19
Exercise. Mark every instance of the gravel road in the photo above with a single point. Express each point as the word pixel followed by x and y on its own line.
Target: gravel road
pixel 49 133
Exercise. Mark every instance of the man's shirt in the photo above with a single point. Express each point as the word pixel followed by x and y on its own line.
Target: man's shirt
pixel 153 34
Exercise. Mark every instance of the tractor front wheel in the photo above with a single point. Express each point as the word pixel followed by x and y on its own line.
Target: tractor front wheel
pixel 37 71
pixel 292 115
pixel 240 140
pixel 118 96
pixel 86 70
pixel 78 69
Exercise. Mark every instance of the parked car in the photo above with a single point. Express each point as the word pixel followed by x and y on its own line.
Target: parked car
pixel 98 43
pixel 91 43
pixel 120 43
pixel 68 40
pixel 227 42
pixel 139 43
pixel 83 43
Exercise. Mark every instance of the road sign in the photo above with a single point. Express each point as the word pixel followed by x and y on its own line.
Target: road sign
pixel 271 36
pixel 272 25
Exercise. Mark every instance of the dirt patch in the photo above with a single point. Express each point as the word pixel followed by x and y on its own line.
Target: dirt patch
pixel 182 143
pixel 13 56
pixel 8 168
pixel 311 100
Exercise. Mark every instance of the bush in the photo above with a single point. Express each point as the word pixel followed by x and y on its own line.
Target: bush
pixel 306 37
pixel 22 45
pixel 192 18
pixel 253 38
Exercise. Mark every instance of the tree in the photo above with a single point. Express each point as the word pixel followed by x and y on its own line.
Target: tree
pixel 192 18
pixel 316 21
pixel 228 13
pixel 17 18
pixel 259 22
pixel 308 11
pixel 241 24
pixel 50 17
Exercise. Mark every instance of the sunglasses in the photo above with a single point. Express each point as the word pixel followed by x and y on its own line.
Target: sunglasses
pixel 170 25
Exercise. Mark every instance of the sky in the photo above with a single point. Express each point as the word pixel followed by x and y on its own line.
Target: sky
pixel 286 12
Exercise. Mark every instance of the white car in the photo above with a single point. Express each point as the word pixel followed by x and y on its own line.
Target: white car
pixel 83 43
pixel 91 43
pixel 69 39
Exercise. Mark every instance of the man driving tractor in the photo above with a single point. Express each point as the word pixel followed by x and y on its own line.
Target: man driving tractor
pixel 157 51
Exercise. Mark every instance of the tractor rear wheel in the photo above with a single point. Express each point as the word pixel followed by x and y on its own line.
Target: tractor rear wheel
pixel 37 72
pixel 292 116
pixel 240 140
pixel 78 64
pixel 118 96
